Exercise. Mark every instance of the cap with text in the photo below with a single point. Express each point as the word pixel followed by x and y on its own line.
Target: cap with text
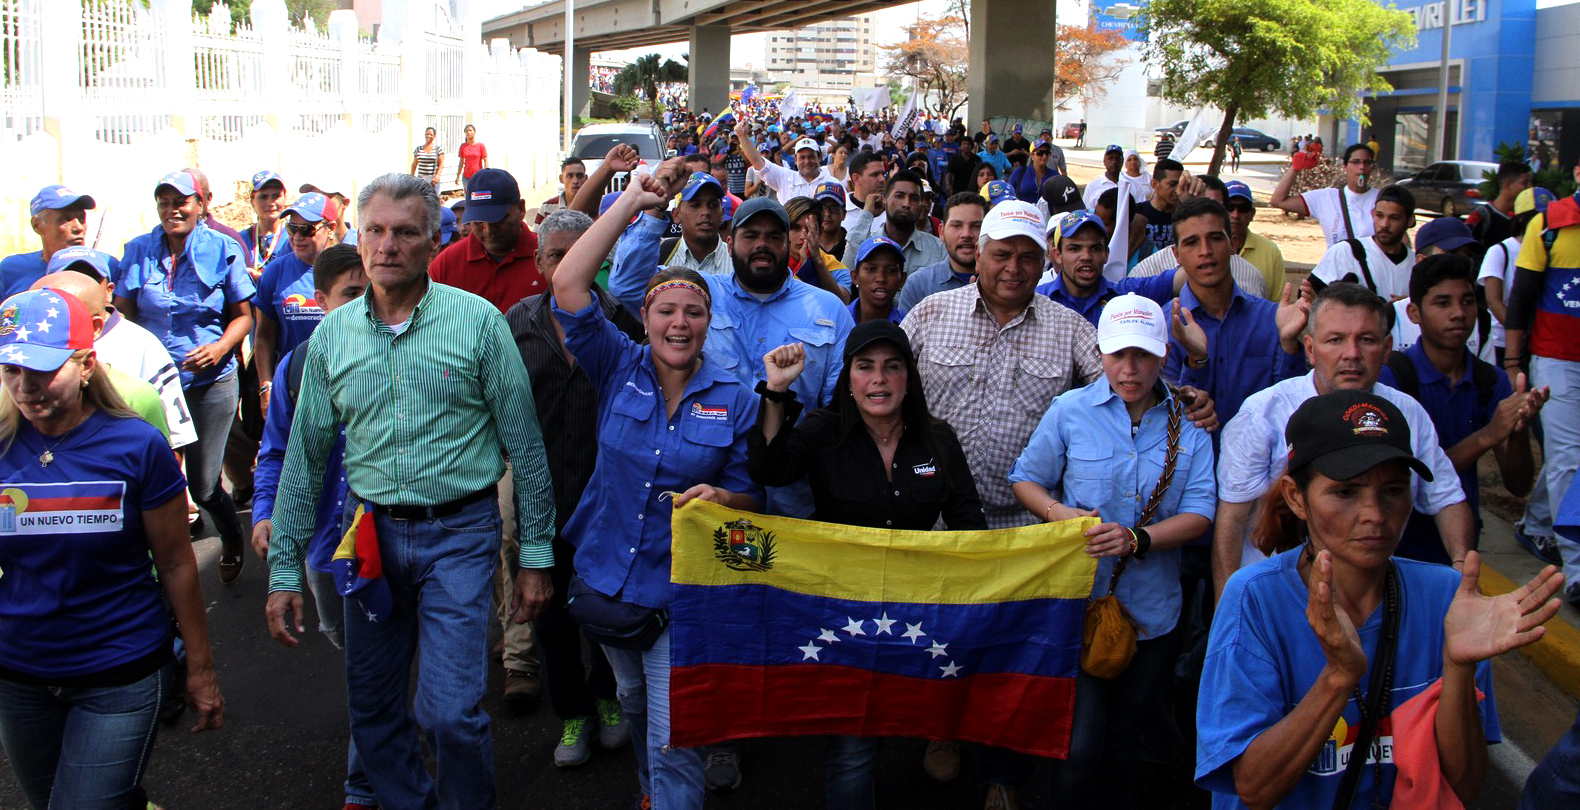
pixel 1132 321
pixel 1345 433
pixel 1015 218
pixel 85 260
pixel 489 195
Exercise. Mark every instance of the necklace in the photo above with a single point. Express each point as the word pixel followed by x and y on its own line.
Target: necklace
pixel 48 455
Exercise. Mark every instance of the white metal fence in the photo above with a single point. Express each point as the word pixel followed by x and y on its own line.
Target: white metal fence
pixel 129 89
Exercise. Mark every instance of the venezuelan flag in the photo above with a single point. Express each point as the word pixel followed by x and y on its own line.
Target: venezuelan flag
pixel 358 568
pixel 785 627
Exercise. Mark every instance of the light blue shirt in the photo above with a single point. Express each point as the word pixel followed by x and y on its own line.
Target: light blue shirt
pixel 933 278
pixel 1082 451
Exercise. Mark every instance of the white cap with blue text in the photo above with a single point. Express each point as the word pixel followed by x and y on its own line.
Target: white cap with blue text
pixel 1132 320
pixel 1015 218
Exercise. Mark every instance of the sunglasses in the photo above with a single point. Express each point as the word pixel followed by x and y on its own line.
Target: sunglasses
pixel 303 231
pixel 1243 207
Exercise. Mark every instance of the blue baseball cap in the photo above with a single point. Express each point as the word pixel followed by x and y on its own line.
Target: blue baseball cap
pixel 1042 144
pixel 41 329
pixel 761 205
pixel 830 190
pixel 314 207
pixel 1444 233
pixel 1018 129
pixel 998 191
pixel 266 177
pixel 1114 147
pixel 489 196
pixel 992 138
pixel 57 197
pixel 728 206
pixel 1236 188
pixel 446 225
pixel 98 262
pixel 1076 220
pixel 181 180
pixel 699 181
pixel 879 243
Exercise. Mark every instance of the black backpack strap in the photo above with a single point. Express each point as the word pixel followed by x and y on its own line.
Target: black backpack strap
pixel 1406 379
pixel 1485 376
pixel 1358 250
pixel 294 372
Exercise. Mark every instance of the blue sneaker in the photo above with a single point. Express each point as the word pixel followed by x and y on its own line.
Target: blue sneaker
pixel 1544 547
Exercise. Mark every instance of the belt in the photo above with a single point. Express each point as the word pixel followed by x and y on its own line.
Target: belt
pixel 436 511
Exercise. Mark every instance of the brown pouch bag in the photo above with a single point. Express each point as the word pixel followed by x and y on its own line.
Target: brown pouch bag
pixel 1108 637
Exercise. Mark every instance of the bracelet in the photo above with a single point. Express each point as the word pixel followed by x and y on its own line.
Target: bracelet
pixel 1193 363
pixel 266 386
pixel 1045 516
pixel 771 395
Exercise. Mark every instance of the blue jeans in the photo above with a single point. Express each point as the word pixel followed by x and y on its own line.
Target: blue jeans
pixel 83 748
pixel 1560 441
pixel 671 776
pixel 1556 781
pixel 1104 741
pixel 440 575
pixel 213 410
pixel 849 765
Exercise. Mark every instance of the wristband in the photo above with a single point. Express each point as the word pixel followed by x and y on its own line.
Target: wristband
pixel 772 395
pixel 1193 363
pixel 1143 542
pixel 266 386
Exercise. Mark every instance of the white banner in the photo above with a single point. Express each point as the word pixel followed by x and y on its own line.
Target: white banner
pixel 871 100
pixel 1200 126
pixel 906 120
pixel 791 106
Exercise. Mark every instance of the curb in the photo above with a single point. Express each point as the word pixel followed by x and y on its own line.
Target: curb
pixel 1557 653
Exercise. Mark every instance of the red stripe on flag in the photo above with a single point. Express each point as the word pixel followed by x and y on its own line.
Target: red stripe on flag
pixel 75 504
pixel 714 702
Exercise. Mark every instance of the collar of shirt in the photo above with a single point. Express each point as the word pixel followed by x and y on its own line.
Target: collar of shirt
pixel 979 308
pixel 1428 373
pixel 380 326
pixel 740 293
pixel 895 315
pixel 523 250
pixel 201 249
pixel 1055 291
pixel 1255 243
pixel 1104 396
pixel 1189 300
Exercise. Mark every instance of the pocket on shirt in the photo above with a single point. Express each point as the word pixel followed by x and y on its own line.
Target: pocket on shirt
pixel 629 413
pixel 817 340
pixel 1171 501
pixel 1089 476
pixel 1037 381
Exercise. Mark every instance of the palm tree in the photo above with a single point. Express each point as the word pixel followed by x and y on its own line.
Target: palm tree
pixel 646 74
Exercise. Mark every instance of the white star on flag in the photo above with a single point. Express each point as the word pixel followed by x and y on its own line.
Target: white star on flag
pixel 951 670
pixel 913 631
pixel 938 649
pixel 810 651
pixel 43 326
pixel 854 627
pixel 828 635
pixel 857 627
pixel 883 625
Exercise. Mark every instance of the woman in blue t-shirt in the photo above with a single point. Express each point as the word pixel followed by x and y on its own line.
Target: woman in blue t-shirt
pixel 1297 660
pixel 189 285
pixel 670 420
pixel 90 504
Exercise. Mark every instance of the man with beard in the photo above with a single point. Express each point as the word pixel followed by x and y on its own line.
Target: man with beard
pixel 865 177
pixel 903 208
pixel 962 226
pixel 1079 254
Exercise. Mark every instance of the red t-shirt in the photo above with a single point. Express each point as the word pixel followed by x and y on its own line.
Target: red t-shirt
pixel 472 155
pixel 466 265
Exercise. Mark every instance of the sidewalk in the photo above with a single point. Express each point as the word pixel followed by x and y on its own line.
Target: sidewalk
pixel 1506 566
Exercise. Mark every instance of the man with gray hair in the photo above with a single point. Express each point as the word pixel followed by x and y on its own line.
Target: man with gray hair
pixel 433 397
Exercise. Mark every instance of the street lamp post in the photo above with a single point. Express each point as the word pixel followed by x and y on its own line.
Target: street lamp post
pixel 570 46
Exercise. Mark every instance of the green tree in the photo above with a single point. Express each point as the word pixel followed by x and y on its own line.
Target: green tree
pixel 297 9
pixel 1255 57
pixel 646 74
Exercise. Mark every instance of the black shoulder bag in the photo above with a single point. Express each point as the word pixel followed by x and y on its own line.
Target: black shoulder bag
pixel 1377 700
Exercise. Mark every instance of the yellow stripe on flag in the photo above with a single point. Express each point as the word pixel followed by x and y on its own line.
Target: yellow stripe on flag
pixel 714 545
pixel 347 550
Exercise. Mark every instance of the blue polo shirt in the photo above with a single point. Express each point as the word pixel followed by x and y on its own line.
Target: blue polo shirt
pixel 285 296
pixel 271 459
pixel 18 272
pixel 1456 412
pixel 998 160
pixel 621 525
pixel 925 281
pixel 1243 353
pixel 895 313
pixel 188 311
pixel 1159 288
pixel 1083 451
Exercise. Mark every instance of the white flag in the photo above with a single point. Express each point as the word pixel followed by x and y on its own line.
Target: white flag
pixel 1198 128
pixel 791 106
pixel 872 100
pixel 907 119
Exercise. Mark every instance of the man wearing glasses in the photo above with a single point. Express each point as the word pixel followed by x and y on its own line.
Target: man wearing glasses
pixel 1345 212
pixel 285 290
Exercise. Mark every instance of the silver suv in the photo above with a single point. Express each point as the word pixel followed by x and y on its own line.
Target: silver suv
pixel 595 140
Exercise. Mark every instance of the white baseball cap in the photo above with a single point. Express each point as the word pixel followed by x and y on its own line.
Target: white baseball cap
pixel 1132 320
pixel 1015 218
pixel 807 143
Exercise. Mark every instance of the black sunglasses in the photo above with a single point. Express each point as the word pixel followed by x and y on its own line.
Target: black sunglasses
pixel 303 231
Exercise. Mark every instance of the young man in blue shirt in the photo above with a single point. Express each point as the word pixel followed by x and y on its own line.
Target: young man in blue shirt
pixel 1078 258
pixel 1472 404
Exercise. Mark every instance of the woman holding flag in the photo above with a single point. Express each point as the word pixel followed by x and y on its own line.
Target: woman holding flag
pixel 1120 449
pixel 876 437
pixel 1333 651
pixel 670 421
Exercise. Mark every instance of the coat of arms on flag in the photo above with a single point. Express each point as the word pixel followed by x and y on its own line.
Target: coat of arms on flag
pixel 816 628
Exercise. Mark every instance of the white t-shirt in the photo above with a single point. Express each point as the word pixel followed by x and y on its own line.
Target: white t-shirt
pixel 133 350
pixel 1406 332
pixel 1094 190
pixel 1253 453
pixel 789 184
pixel 1499 264
pixel 1324 206
pixel 1392 279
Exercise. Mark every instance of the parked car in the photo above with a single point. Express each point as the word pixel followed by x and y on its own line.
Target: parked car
pixel 1176 128
pixel 1249 139
pixel 594 141
pixel 1450 187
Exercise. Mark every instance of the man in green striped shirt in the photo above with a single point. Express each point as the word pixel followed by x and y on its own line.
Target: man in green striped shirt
pixel 432 393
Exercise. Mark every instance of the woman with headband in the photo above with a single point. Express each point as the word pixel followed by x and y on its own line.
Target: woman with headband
pixel 670 421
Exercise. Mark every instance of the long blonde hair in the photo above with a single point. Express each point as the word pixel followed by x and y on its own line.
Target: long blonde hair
pixel 98 394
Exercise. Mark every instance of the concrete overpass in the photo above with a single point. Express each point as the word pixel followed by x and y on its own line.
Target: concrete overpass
pixel 1016 80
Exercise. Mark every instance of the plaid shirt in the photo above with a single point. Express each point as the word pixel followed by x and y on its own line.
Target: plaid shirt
pixel 993 384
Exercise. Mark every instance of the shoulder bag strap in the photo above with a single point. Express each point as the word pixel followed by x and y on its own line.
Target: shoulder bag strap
pixel 1170 461
pixel 1378 687
pixel 1344 209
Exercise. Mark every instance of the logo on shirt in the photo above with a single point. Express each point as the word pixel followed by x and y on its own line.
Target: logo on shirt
pixel 300 305
pixel 1366 420
pixel 1336 752
pixel 927 470
pixel 742 546
pixel 712 413
pixel 78 507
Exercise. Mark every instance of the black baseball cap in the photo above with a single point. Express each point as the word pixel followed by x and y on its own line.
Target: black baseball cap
pixel 867 333
pixel 760 205
pixel 1061 195
pixel 489 195
pixel 1346 433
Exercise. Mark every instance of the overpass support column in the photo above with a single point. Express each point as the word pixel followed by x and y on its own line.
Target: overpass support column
pixel 710 68
pixel 1011 59
pixel 579 71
